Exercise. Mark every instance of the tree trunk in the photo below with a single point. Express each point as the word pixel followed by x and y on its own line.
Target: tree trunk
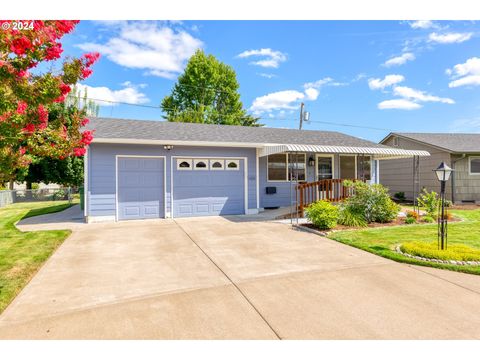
pixel 10 184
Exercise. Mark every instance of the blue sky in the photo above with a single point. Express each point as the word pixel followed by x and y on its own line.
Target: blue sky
pixel 399 75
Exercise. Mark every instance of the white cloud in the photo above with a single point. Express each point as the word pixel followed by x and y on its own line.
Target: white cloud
pixel 312 93
pixel 159 49
pixel 388 81
pixel 422 24
pixel 449 38
pixel 286 99
pixel 327 81
pixel 399 60
pixel 418 95
pixel 400 104
pixel 270 58
pixel 267 75
pixel 465 74
pixel 129 94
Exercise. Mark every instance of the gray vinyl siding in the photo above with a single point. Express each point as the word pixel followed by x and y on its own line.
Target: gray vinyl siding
pixel 101 171
pixel 467 187
pixel 397 174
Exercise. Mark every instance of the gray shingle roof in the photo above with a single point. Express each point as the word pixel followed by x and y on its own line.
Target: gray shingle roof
pixel 110 128
pixel 454 142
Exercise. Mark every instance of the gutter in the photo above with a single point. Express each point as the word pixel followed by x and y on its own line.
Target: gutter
pixel 453 175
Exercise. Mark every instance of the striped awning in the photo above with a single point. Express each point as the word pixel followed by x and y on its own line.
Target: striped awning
pixel 378 153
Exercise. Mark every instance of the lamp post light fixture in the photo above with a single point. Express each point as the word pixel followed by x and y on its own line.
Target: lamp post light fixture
pixel 443 173
pixel 311 161
pixel 168 147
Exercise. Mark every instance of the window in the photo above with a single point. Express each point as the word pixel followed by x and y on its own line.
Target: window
pixel 278 170
pixel 184 164
pixel 216 164
pixel 296 165
pixel 395 141
pixel 233 164
pixel 474 165
pixel 364 168
pixel 201 164
pixel 348 166
pixel 324 167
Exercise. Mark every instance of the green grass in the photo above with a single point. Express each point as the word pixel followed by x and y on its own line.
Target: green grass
pixel 23 253
pixel 383 240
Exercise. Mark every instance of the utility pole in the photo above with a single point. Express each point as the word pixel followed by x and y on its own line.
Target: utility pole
pixel 302 105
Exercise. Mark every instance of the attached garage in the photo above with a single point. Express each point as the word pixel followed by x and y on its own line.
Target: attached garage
pixel 208 186
pixel 140 187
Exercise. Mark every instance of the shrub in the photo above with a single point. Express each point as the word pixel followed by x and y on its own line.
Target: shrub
pixel 448 203
pixel 413 214
pixel 429 201
pixel 410 220
pixel 323 214
pixel 430 250
pixel 371 200
pixel 348 217
pixel 428 219
pixel 400 196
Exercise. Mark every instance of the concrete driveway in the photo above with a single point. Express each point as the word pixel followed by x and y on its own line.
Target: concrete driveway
pixel 224 278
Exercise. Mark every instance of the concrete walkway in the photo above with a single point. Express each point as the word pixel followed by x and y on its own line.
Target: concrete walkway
pixel 219 278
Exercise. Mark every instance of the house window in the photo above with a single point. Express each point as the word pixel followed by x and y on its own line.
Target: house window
pixel 233 164
pixel 216 164
pixel 348 164
pixel 474 165
pixel 281 166
pixel 324 167
pixel 184 164
pixel 364 168
pixel 395 141
pixel 201 164
pixel 297 165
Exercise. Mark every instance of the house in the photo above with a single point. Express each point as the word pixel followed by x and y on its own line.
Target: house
pixel 459 151
pixel 148 169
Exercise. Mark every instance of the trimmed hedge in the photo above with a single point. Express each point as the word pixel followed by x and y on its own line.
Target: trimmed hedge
pixel 430 250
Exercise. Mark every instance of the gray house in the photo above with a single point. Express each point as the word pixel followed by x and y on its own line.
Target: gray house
pixel 460 151
pixel 153 169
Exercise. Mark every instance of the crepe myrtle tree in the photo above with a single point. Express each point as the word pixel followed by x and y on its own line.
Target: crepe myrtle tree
pixel 27 94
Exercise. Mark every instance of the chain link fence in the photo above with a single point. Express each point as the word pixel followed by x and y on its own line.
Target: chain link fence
pixel 15 196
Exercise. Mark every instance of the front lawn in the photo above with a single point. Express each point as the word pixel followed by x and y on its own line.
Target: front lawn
pixel 23 253
pixel 382 241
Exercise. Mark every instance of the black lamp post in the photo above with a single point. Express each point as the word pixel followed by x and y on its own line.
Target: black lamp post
pixel 443 173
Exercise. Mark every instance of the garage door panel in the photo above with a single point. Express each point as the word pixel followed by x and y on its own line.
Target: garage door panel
pixel 140 188
pixel 208 192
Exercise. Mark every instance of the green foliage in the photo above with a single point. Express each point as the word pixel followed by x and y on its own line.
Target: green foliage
pixel 348 217
pixel 430 250
pixel 428 219
pixel 371 200
pixel 207 92
pixel 66 172
pixel 410 220
pixel 429 201
pixel 323 214
pixel 413 214
pixel 400 196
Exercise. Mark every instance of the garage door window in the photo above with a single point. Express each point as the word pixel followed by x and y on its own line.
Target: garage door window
pixel 201 164
pixel 184 164
pixel 233 164
pixel 217 164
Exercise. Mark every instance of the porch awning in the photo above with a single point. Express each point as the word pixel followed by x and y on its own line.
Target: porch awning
pixel 380 153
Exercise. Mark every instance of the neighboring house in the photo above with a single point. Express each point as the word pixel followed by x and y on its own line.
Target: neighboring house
pixel 149 169
pixel 459 151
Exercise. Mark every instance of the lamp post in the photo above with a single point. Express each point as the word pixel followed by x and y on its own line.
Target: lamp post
pixel 443 173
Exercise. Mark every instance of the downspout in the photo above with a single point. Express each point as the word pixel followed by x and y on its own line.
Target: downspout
pixel 453 175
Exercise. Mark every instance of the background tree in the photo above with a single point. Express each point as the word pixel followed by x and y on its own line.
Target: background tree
pixel 26 128
pixel 207 92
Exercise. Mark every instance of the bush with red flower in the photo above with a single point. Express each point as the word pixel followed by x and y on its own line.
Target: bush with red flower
pixel 28 129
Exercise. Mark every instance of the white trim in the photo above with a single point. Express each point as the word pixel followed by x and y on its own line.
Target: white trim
pixel 85 182
pixel 164 180
pixel 470 158
pixel 257 180
pixel 316 164
pixel 176 142
pixel 212 161
pixel 227 162
pixel 245 180
pixel 189 161
pixel 252 212
pixel 340 165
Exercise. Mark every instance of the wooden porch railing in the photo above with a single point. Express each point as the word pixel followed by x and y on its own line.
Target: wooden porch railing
pixel 328 189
